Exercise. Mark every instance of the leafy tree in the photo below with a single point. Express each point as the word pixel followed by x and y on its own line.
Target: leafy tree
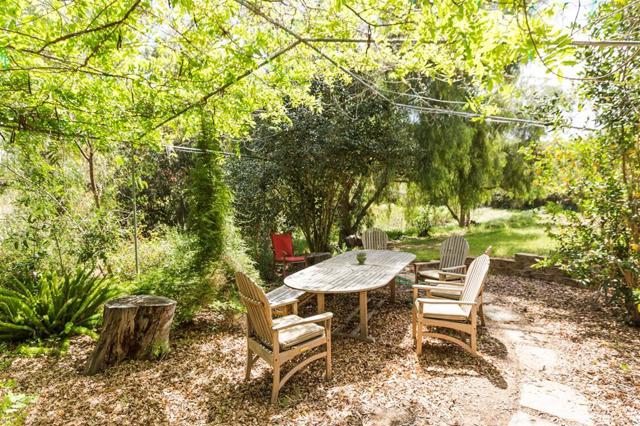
pixel 458 163
pixel 163 196
pixel 209 196
pixel 518 181
pixel 327 167
pixel 600 243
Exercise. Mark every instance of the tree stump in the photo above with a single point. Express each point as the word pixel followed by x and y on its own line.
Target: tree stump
pixel 134 327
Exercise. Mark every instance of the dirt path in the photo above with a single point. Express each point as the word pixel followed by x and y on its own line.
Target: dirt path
pixel 549 356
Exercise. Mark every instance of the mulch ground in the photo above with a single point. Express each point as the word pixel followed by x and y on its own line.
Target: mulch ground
pixel 201 381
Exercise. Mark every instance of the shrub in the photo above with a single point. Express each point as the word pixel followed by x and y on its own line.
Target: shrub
pixel 178 275
pixel 52 304
pixel 13 405
pixel 175 274
pixel 422 223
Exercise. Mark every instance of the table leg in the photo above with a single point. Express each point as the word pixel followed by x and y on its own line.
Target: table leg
pixel 320 297
pixel 364 323
pixel 392 290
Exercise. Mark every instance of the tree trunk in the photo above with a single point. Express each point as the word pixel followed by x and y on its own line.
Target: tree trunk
pixel 134 327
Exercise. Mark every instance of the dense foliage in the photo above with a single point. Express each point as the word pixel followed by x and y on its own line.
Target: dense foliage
pixel 93 92
pixel 209 198
pixel 459 162
pixel 325 169
pixel 52 305
pixel 600 243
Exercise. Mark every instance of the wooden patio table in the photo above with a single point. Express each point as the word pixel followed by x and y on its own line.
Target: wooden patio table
pixel 343 274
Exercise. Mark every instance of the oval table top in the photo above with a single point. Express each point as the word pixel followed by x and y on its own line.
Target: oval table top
pixel 342 274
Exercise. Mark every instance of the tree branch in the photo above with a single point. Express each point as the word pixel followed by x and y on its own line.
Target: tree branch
pixel 92 30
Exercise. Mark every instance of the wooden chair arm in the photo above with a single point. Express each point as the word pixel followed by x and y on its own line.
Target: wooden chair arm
pixel 443 287
pixel 454 274
pixel 282 303
pixel 423 300
pixel 434 282
pixel 432 263
pixel 316 318
pixel 453 268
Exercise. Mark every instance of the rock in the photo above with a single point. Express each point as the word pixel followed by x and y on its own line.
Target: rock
pixel 500 314
pixel 556 400
pixel 535 357
pixel 523 419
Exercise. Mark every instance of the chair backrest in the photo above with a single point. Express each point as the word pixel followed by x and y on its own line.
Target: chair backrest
pixel 375 239
pixel 258 309
pixel 474 281
pixel 282 245
pixel 453 252
pixel 488 250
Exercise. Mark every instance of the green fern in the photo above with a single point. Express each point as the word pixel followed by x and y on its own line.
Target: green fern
pixel 53 305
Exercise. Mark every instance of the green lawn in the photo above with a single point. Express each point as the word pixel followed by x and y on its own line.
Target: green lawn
pixel 516 233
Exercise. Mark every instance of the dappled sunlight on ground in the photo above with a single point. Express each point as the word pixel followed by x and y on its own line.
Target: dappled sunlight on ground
pixel 201 381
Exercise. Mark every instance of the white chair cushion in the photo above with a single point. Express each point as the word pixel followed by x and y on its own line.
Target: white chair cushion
pixel 443 311
pixel 297 334
pixel 447 294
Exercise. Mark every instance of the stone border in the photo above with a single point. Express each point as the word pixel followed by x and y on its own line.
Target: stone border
pixel 521 265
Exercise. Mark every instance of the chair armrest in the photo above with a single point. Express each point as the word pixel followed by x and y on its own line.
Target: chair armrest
pixel 453 274
pixel 444 301
pixel 434 282
pixel 443 287
pixel 453 268
pixel 282 303
pixel 316 318
pixel 440 285
pixel 434 263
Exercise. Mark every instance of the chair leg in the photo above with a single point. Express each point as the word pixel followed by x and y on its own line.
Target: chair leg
pixel 474 327
pixel 276 381
pixel 247 375
pixel 483 321
pixel 419 336
pixel 294 308
pixel 413 322
pixel 392 290
pixel 329 372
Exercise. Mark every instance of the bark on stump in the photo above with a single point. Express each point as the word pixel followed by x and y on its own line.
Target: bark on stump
pixel 134 327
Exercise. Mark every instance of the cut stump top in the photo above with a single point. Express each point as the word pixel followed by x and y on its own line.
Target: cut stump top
pixel 141 300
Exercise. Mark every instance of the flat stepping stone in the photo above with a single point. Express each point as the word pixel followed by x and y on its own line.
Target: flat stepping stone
pixel 512 335
pixel 557 400
pixel 389 417
pixel 523 419
pixel 535 357
pixel 500 314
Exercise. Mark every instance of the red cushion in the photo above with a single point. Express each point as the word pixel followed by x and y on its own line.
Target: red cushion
pixel 282 245
pixel 294 258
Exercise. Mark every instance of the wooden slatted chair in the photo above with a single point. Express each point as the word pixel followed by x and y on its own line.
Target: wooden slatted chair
pixel 453 289
pixel 453 253
pixel 281 339
pixel 375 239
pixel 283 255
pixel 460 315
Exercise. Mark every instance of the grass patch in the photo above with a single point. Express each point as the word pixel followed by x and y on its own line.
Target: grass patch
pixel 522 232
